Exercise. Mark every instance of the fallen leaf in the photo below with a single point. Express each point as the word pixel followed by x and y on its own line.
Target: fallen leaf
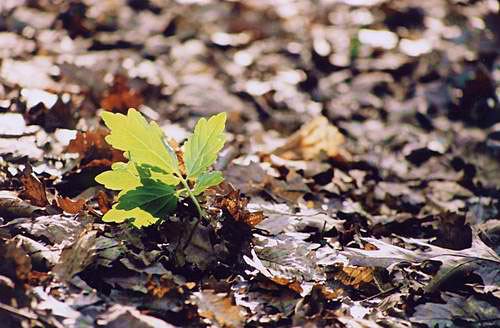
pixel 77 256
pixel 457 311
pixel 54 228
pixel 355 276
pixel 236 205
pixel 104 202
pixel 125 316
pixel 286 260
pixel 120 97
pixel 92 147
pixel 15 263
pixel 12 207
pixel 69 205
pixel 312 138
pixel 34 189
pixel 479 259
pixel 218 308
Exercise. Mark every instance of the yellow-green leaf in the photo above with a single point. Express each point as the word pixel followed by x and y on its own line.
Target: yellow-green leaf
pixel 140 218
pixel 122 176
pixel 207 180
pixel 142 140
pixel 202 147
pixel 168 179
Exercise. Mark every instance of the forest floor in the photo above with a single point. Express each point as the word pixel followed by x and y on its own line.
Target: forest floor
pixel 362 163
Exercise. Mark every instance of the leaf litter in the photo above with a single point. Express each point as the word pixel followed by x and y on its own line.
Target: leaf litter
pixel 360 164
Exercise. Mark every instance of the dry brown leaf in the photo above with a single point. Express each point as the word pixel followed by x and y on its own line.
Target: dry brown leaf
pixel 218 308
pixel 312 138
pixel 235 204
pixel 69 205
pixel 93 149
pixel 34 189
pixel 86 140
pixel 104 201
pixel 119 98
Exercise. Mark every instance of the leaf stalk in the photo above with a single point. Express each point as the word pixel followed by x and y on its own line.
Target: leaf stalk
pixel 198 207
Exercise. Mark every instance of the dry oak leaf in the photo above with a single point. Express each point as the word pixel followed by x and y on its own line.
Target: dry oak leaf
pixel 34 189
pixel 312 138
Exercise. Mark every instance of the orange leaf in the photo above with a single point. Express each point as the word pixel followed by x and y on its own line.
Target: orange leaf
pixel 69 205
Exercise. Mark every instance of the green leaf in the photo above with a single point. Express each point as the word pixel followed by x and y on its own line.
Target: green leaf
pixel 140 217
pixel 206 181
pixel 146 171
pixel 122 176
pixel 154 197
pixel 202 147
pixel 142 140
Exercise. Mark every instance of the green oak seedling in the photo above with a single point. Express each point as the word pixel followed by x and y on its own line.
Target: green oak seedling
pixel 151 182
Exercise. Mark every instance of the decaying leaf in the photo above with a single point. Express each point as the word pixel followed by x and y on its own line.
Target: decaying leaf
pixel 15 264
pixel 103 201
pixel 54 228
pixel 218 308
